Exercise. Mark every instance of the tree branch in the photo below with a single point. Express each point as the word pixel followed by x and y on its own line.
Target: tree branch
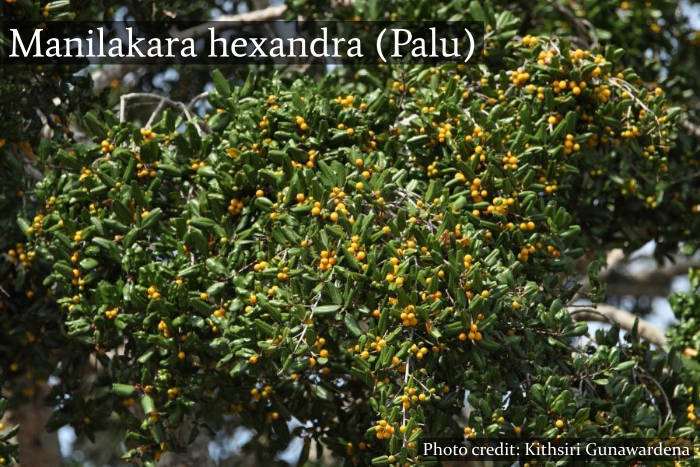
pixel 197 98
pixel 266 14
pixel 103 77
pixel 609 314
pixel 691 127
pixel 162 101
pixel 654 283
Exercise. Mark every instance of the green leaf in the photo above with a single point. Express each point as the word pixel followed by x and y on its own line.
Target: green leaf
pixel 477 11
pixel 622 366
pixel 93 126
pixel 221 83
pixel 89 263
pixel 326 309
pixel 147 404
pixel 122 390
pixel 352 326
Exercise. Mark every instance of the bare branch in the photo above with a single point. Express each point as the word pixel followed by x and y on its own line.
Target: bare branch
pixel 632 92
pixel 155 113
pixel 162 100
pixel 654 283
pixel 197 98
pixel 103 77
pixel 266 14
pixel 610 314
pixel 33 172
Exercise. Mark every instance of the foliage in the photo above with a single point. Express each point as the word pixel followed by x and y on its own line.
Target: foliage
pixel 331 251
pixel 221 273
pixel 686 307
pixel 8 448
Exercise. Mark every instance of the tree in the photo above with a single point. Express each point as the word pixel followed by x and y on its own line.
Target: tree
pixel 383 253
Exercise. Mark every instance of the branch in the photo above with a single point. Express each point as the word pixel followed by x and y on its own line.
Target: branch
pixel 33 172
pixel 691 127
pixel 653 283
pixel 162 101
pixel 688 177
pixel 197 98
pixel 610 314
pixel 155 113
pixel 656 282
pixel 632 92
pixel 266 14
pixel 103 77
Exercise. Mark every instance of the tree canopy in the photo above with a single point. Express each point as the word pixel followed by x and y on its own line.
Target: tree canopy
pixel 380 253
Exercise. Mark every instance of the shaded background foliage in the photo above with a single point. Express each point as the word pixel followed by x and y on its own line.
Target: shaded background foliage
pixel 661 48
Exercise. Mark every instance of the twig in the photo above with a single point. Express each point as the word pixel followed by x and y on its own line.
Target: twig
pixel 197 98
pixel 405 381
pixel 163 100
pixel 46 130
pixel 306 326
pixel 669 410
pixel 155 113
pixel 625 86
pixel 33 172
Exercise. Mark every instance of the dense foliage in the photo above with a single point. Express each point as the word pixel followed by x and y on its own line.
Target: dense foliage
pixel 369 253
